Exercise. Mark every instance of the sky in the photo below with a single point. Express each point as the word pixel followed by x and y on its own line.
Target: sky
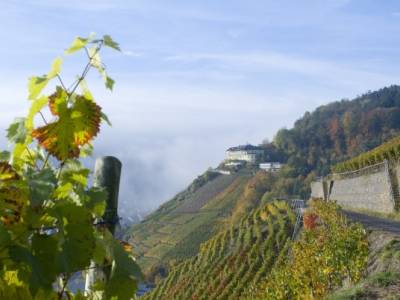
pixel 197 77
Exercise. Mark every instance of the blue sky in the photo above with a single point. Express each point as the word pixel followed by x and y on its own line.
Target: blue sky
pixel 196 77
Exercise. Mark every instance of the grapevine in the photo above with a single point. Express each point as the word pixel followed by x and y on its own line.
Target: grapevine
pixel 48 211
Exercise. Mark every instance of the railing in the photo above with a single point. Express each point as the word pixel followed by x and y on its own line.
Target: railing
pixel 298 206
pixel 363 171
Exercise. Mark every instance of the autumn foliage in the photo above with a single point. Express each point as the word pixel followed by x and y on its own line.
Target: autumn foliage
pixel 310 220
pixel 321 259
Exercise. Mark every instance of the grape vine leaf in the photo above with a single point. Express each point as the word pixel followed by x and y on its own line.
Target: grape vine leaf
pixel 35 86
pixel 37 83
pixel 44 249
pixel 77 44
pixel 37 105
pixel 85 89
pixel 96 200
pixel 122 282
pixel 12 202
pixel 7 172
pixel 35 275
pixel 5 237
pixel 5 155
pixel 76 126
pixel 109 82
pixel 95 59
pixel 97 63
pixel 75 173
pixel 11 287
pixel 16 132
pixel 105 118
pixel 109 42
pixel 41 185
pixel 55 68
pixel 76 235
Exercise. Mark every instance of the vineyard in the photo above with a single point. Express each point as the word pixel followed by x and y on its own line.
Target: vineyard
pixel 328 252
pixel 175 231
pixel 233 261
pixel 387 151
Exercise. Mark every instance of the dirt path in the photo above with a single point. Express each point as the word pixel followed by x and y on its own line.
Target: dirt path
pixel 376 223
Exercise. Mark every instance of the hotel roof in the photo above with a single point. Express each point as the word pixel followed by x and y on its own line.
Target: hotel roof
pixel 244 148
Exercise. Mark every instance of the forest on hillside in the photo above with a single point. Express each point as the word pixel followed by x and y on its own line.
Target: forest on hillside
pixel 330 134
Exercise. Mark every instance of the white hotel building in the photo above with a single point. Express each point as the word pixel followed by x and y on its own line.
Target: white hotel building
pixel 247 152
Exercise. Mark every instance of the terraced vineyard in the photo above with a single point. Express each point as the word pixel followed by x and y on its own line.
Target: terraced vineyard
pixel 389 150
pixel 176 229
pixel 234 260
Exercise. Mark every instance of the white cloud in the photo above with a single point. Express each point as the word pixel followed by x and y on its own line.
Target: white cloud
pixel 132 53
pixel 269 62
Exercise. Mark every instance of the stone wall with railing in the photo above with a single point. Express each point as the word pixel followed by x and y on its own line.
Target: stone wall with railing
pixel 369 188
pixel 317 189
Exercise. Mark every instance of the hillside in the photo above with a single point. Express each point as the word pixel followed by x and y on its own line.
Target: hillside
pixel 234 260
pixel 176 230
pixel 169 240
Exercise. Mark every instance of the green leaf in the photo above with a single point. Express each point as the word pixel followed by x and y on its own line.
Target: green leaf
pixel 55 68
pixel 109 82
pixel 75 173
pixel 34 273
pixel 77 44
pixel 5 156
pixel 36 106
pixel 95 60
pixel 63 190
pixel 44 249
pixel 85 90
pixel 122 283
pixel 5 237
pixel 105 118
pixel 41 185
pixel 16 132
pixel 109 42
pixel 77 236
pixel 96 63
pixel 96 200
pixel 100 250
pixel 35 86
pixel 87 150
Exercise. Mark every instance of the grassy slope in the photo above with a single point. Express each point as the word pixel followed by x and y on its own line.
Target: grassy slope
pixel 177 228
pixel 233 260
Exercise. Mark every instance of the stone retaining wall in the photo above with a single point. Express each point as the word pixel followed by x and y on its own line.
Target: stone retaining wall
pixel 317 190
pixel 367 189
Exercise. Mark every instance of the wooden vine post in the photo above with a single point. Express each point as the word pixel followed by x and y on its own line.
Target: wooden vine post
pixel 107 174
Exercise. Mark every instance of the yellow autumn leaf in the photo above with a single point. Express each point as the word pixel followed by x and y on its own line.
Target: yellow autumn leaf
pixel 75 126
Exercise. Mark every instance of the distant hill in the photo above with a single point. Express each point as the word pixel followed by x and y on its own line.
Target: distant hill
pixel 175 231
